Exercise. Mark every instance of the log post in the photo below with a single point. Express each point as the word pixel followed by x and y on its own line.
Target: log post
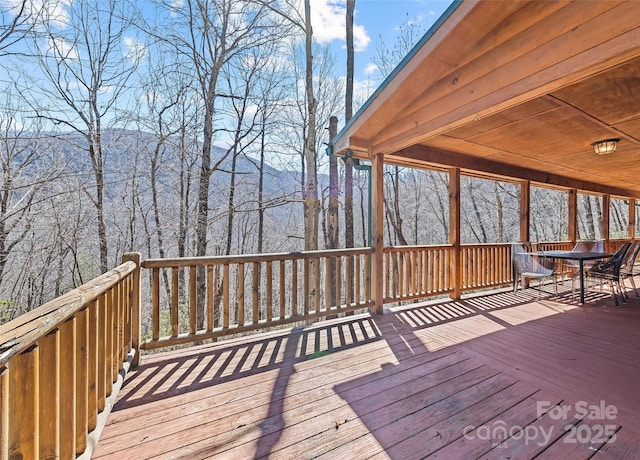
pixel 525 210
pixel 377 232
pixel 455 266
pixel 573 216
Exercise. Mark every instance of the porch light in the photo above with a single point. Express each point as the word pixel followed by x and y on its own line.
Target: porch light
pixel 605 147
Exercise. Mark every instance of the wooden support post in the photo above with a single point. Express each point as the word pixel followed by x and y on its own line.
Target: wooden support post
pixel 606 204
pixel 455 267
pixel 525 210
pixel 377 233
pixel 573 216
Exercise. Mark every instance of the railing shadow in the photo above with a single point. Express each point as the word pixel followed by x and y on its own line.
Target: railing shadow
pixel 205 366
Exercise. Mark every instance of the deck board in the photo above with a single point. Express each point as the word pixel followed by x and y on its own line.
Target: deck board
pixel 418 382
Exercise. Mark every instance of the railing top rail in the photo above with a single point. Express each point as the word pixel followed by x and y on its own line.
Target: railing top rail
pixel 21 333
pixel 249 258
pixel 416 247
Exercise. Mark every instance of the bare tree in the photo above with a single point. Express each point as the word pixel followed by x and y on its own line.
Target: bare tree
pixel 208 34
pixel 87 74
pixel 18 19
pixel 22 177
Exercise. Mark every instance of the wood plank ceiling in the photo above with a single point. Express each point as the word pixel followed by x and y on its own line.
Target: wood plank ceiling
pixel 518 89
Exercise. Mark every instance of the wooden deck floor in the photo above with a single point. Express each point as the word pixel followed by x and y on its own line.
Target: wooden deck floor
pixel 439 380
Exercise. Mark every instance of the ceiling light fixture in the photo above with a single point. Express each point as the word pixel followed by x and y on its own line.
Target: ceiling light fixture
pixel 606 146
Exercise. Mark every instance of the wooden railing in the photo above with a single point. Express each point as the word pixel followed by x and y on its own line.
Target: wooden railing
pixel 250 292
pixel 411 272
pixel 485 266
pixel 61 365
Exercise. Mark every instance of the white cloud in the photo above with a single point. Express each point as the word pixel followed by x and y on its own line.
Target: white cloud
pixel 329 23
pixel 62 49
pixel 53 12
pixel 370 69
pixel 135 50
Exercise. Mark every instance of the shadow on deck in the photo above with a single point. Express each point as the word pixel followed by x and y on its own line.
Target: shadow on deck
pixel 499 375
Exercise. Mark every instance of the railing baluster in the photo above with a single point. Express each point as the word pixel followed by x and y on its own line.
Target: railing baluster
pixel 294 287
pixel 127 308
pixel 155 304
pixel 115 361
pixel 175 299
pixel 329 262
pixel 226 281
pixel 283 303
pixel 193 299
pixel 348 276
pixel 211 292
pixel 256 293
pixel 358 289
pixel 316 296
pixel 109 341
pixel 117 328
pixel 4 413
pixel 92 367
pixel 367 275
pixel 240 295
pixel 49 390
pixel 338 279
pixel 23 385
pixel 269 284
pixel 387 275
pixel 306 288
pixel 82 378
pixel 102 352
pixel 68 388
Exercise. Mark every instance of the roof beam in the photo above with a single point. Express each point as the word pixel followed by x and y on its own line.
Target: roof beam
pixel 450 159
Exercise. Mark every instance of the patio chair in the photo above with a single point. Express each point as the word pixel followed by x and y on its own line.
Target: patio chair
pixel 526 265
pixel 627 270
pixel 574 265
pixel 608 271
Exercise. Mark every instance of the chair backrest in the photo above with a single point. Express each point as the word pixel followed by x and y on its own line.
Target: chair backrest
pixel 598 246
pixel 614 264
pixel 524 261
pixel 585 246
pixel 630 258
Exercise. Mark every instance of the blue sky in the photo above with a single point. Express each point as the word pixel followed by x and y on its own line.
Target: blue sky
pixel 374 19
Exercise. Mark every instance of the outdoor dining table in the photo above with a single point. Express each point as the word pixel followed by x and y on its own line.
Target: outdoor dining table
pixel 580 257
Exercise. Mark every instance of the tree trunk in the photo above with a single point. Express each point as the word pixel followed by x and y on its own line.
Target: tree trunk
pixel 311 202
pixel 348 164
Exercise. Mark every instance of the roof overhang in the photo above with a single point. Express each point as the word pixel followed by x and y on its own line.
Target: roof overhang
pixel 519 89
